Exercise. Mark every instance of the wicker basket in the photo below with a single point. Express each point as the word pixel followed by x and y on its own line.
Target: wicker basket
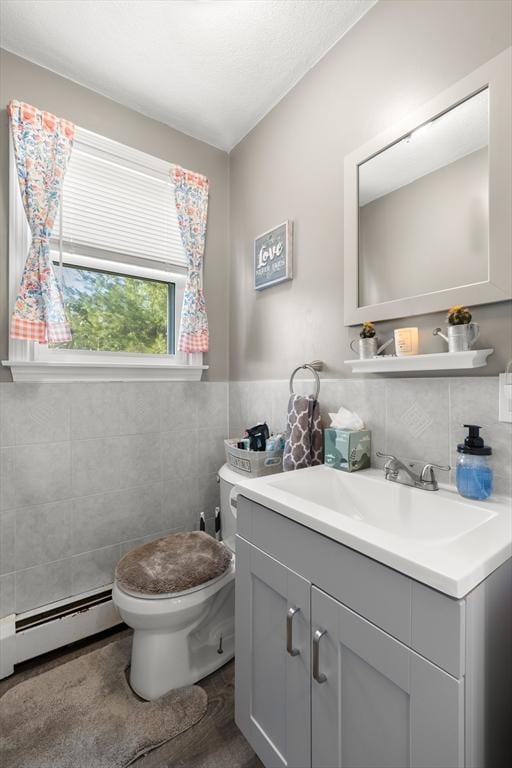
pixel 252 463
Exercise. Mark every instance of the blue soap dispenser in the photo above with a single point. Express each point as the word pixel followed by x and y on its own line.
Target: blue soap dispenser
pixel 474 475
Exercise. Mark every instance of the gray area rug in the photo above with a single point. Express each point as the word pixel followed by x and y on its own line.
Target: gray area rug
pixel 83 714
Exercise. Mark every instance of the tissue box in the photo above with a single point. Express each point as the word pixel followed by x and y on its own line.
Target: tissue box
pixel 347 450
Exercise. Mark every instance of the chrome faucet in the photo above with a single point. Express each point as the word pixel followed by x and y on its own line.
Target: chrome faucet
pixel 413 473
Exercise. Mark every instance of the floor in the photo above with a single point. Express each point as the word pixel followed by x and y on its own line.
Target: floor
pixel 214 742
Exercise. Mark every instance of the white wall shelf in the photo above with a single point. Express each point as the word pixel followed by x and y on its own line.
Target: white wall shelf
pixel 439 361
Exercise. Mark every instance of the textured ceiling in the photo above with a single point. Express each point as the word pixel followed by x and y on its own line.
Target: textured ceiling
pixel 455 134
pixel 210 68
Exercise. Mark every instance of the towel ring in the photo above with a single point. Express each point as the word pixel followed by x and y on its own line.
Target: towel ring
pixel 313 367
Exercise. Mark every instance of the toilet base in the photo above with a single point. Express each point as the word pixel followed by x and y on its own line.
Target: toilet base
pixel 166 659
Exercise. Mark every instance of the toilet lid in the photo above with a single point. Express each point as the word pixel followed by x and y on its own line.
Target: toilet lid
pixel 172 564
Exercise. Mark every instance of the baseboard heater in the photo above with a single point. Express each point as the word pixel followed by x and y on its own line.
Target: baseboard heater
pixel 27 635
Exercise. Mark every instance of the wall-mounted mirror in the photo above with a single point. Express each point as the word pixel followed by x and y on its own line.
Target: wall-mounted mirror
pixel 427 195
pixel 424 226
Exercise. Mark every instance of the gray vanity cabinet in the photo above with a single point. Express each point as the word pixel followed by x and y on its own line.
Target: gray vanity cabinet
pixel 273 658
pixel 358 699
pixel 375 703
pixel 375 670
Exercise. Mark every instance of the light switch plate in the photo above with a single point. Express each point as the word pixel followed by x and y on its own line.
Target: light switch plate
pixel 505 397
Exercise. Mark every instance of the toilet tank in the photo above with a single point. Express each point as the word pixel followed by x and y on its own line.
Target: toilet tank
pixel 228 478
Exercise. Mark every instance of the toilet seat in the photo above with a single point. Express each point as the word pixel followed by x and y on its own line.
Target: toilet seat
pixel 172 595
pixel 174 565
pixel 141 609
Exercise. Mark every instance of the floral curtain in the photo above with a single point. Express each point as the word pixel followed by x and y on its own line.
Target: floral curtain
pixel 42 146
pixel 191 196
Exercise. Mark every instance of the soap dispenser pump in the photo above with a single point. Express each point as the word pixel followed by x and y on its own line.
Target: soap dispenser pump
pixel 474 475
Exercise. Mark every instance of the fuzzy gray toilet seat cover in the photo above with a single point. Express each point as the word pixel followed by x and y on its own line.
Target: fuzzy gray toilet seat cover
pixel 175 563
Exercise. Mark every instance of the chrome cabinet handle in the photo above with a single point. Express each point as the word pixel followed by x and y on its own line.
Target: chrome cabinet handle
pixel 289 632
pixel 318 676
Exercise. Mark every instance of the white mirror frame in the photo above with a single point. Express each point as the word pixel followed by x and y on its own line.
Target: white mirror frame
pixel 497 76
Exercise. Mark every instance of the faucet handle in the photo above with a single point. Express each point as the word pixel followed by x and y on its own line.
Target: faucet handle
pixel 390 465
pixel 429 468
pixel 385 455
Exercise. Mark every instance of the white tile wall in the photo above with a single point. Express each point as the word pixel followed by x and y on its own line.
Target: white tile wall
pixel 93 569
pixel 7 594
pixel 42 534
pixel 42 584
pixel 417 420
pixel 88 471
pixel 412 418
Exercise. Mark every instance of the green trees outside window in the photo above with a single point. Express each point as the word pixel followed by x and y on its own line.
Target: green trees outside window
pixel 117 313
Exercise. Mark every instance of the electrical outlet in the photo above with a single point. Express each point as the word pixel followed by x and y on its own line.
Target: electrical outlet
pixel 505 397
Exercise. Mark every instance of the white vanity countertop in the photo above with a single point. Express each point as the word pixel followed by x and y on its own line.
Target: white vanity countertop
pixel 436 537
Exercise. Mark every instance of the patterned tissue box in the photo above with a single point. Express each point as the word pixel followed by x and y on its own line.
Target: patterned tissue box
pixel 347 450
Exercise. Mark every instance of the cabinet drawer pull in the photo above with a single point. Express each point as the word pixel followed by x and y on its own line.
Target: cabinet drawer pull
pixel 289 632
pixel 318 676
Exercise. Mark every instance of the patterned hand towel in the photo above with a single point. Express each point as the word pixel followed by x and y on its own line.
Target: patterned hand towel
pixel 303 447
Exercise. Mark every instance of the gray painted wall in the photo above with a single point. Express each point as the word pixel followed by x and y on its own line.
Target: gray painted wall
pixel 440 222
pixel 400 55
pixel 20 79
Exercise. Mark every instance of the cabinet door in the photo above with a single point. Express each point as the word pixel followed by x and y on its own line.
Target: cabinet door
pixel 272 657
pixel 376 703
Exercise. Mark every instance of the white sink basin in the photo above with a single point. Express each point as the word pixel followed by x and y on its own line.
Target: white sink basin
pixel 436 537
pixel 427 516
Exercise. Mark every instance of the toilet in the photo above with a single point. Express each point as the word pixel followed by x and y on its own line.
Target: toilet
pixel 178 596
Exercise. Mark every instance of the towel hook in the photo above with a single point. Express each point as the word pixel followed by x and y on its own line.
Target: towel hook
pixel 315 366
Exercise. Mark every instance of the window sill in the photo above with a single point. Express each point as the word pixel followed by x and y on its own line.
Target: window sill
pixel 30 371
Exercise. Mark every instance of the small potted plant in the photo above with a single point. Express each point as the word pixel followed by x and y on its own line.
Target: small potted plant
pixel 367 342
pixel 461 332
pixel 458 315
pixel 368 330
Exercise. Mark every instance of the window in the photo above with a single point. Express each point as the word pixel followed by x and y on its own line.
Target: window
pixel 113 312
pixel 117 250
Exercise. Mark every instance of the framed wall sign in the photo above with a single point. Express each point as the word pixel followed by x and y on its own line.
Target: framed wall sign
pixel 273 256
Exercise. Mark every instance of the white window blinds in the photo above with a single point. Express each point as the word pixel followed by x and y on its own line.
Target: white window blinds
pixel 115 206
